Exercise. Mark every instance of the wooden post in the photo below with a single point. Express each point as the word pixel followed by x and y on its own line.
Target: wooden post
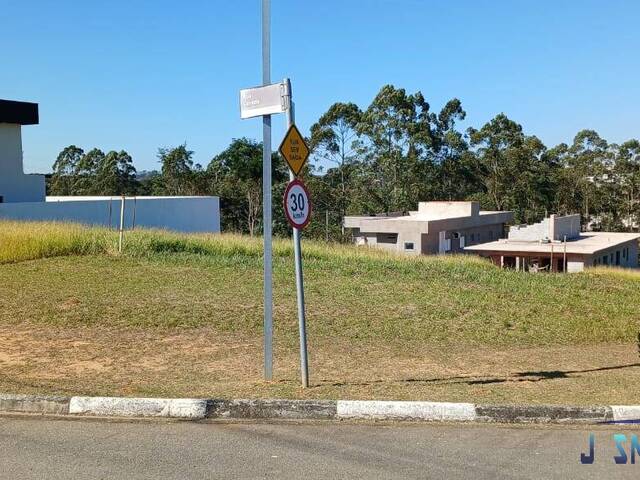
pixel 326 222
pixel 121 225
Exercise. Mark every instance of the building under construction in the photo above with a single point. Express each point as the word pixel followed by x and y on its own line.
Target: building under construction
pixel 556 244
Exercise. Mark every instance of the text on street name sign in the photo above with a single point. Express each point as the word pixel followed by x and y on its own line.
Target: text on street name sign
pixel 258 101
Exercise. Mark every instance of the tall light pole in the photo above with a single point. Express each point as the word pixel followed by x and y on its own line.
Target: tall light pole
pixel 266 188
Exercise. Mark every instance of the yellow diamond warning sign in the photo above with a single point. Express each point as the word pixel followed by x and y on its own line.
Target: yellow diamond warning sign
pixel 294 150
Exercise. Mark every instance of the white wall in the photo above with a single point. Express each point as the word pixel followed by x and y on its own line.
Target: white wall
pixel 449 209
pixel 568 225
pixel 181 214
pixel 15 186
pixel 575 266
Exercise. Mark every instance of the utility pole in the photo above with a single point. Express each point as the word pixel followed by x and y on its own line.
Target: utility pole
pixel 266 194
pixel 304 366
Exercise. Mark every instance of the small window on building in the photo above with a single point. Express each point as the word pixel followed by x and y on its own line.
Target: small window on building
pixel 473 237
pixel 1 199
pixel 387 238
pixel 456 235
pixel 490 234
pixel 409 246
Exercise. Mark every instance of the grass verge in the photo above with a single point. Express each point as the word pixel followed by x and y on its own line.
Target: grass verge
pixel 181 315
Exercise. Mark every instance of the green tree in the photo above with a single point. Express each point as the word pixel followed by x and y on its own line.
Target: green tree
pixel 177 173
pixel 64 168
pixel 514 173
pixel 86 173
pixel 399 128
pixel 334 138
pixel 585 161
pixel 116 174
pixel 236 176
pixel 451 151
pixel 619 190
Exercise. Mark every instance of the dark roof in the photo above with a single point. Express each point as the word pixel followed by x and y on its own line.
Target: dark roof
pixel 21 113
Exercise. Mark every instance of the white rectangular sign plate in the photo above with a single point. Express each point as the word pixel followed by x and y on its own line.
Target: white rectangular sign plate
pixel 258 101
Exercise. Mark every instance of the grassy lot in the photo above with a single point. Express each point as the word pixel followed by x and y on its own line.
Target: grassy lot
pixel 182 316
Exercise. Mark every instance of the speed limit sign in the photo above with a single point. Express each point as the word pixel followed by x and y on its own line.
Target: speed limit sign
pixel 297 206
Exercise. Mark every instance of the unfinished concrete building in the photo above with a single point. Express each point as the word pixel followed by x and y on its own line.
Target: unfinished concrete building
pixel 436 228
pixel 556 244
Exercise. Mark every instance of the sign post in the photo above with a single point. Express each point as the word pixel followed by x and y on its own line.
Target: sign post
pixel 264 101
pixel 298 210
pixel 266 196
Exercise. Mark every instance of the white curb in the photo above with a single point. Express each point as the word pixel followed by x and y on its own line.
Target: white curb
pixel 625 412
pixel 139 407
pixel 391 410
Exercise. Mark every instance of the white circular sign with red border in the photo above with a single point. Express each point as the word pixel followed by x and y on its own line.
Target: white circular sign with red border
pixel 297 205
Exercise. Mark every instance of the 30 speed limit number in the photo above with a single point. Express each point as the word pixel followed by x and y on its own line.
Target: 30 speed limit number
pixel 297 205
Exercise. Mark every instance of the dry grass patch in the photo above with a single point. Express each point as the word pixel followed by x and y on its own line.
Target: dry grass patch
pixel 203 363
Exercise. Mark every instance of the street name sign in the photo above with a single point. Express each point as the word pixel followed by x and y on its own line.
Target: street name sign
pixel 297 205
pixel 258 101
pixel 294 150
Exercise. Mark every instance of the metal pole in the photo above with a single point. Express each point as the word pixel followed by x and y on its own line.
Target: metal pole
pixel 565 254
pixel 266 196
pixel 304 366
pixel 121 225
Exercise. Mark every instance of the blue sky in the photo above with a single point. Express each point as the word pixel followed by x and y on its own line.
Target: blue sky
pixel 138 75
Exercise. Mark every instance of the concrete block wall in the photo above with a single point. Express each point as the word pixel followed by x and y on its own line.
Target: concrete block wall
pixel 534 232
pixel 568 225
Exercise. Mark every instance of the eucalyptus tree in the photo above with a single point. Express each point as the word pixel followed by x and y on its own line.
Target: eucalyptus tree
pixel 64 168
pixel 452 155
pixel 335 139
pixel 399 128
pixel 116 174
pixel 176 171
pixel 627 174
pixel 587 161
pixel 512 168
pixel 86 173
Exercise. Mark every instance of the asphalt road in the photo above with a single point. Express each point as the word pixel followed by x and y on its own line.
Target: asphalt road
pixel 38 448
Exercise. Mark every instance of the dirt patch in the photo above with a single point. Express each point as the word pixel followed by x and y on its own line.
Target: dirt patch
pixel 205 363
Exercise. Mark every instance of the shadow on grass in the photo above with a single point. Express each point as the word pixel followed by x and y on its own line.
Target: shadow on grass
pixel 526 376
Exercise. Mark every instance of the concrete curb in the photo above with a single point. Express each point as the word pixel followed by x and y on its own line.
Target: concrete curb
pixel 197 409
pixel 138 407
pixel 390 410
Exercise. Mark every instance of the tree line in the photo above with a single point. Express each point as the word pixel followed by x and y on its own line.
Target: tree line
pixel 385 159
